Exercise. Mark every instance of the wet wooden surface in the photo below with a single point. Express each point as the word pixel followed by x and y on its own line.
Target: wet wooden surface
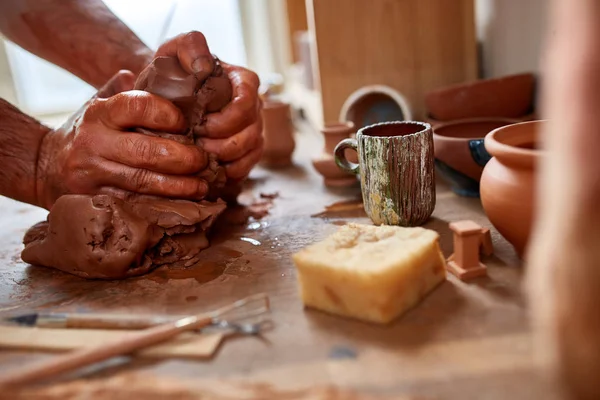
pixel 464 341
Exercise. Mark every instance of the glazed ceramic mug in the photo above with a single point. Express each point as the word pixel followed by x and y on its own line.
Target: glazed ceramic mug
pixel 396 168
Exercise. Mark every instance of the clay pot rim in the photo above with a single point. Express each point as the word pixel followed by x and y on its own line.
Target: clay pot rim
pixel 465 121
pixel 532 116
pixel 334 127
pixel 495 146
pixel 426 126
pixel 371 89
pixel 470 84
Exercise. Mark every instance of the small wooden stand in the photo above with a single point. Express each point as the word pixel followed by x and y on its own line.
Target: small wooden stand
pixel 468 239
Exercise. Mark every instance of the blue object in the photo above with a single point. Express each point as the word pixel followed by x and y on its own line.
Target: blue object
pixel 342 352
pixel 478 152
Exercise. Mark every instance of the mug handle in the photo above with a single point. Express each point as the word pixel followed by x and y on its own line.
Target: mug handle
pixel 340 156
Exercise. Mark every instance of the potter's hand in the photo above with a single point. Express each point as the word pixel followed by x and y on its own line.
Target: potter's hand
pixel 93 152
pixel 234 133
pixel 192 51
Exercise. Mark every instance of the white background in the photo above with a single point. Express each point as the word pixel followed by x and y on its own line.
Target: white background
pixel 43 88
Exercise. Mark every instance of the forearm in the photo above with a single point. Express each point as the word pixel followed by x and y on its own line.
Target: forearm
pixel 81 36
pixel 20 140
pixel 572 95
pixel 563 259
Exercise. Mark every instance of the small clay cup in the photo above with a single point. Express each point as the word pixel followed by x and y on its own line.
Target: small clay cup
pixel 278 134
pixel 395 163
pixel 460 154
pixel 507 97
pixel 325 165
pixel 508 180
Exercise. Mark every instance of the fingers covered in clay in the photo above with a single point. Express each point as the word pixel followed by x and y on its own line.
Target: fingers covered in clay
pixel 144 181
pixel 152 153
pixel 137 109
pixel 236 146
pixel 242 111
pixel 95 148
pixel 240 169
pixel 235 133
pixel 192 51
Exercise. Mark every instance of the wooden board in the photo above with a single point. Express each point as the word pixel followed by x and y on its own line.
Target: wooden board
pixel 411 46
pixel 464 341
pixel 190 345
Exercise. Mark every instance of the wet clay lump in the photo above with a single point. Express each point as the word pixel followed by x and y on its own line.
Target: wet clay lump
pixel 104 237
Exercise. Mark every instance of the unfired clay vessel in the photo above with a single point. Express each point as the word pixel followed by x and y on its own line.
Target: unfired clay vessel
pixel 325 165
pixel 508 97
pixel 507 182
pixel 278 133
pixel 460 154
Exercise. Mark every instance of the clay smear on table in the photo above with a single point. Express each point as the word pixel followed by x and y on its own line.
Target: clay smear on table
pixel 348 209
pixel 105 237
pixel 254 209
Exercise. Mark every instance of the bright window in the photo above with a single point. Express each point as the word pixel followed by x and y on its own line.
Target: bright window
pixel 43 88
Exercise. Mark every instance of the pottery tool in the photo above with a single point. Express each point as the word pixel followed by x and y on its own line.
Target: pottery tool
pixel 187 345
pixel 119 321
pixel 89 321
pixel 249 307
pixel 247 329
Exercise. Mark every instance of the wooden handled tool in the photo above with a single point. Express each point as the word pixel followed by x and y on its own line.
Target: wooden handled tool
pixel 90 321
pixel 132 342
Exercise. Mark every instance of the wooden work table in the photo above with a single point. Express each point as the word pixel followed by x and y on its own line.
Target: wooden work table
pixel 464 341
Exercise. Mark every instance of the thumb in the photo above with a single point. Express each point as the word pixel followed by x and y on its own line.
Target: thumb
pixel 192 51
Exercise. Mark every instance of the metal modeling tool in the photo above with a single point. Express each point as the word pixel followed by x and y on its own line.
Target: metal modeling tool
pixel 252 306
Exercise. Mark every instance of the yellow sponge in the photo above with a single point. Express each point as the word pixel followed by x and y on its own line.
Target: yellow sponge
pixel 372 273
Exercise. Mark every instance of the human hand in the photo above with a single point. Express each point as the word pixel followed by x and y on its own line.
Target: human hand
pixel 93 152
pixel 235 133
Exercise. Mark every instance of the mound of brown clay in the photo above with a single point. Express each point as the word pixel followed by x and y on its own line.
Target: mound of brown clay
pixel 108 238
pixel 103 237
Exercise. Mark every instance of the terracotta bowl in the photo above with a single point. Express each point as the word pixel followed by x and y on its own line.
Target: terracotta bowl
pixel 460 154
pixel 525 118
pixel 374 104
pixel 508 180
pixel 507 97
